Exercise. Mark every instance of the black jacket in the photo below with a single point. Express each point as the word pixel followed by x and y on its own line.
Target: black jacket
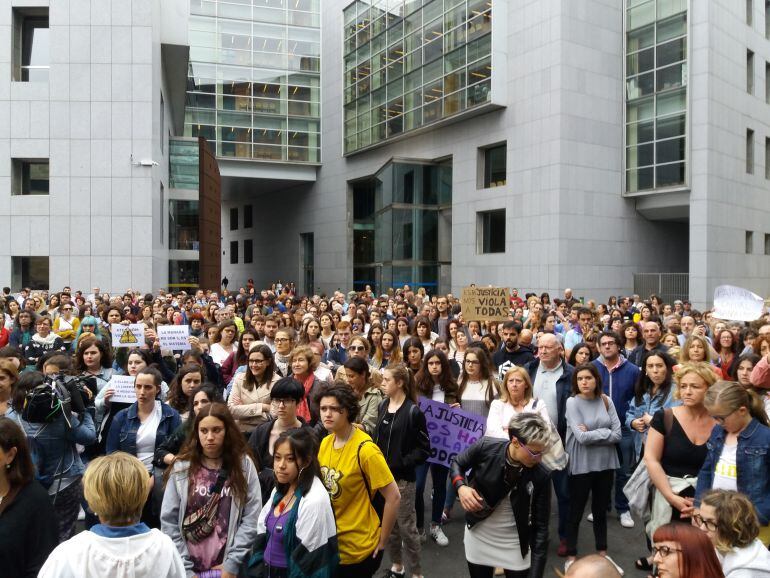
pixel 520 357
pixel 408 444
pixel 259 442
pixel 486 460
pixel 563 392
pixel 28 532
pixel 636 355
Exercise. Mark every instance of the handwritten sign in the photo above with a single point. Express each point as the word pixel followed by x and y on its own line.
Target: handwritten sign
pixel 451 430
pixel 737 304
pixel 127 335
pixel 485 303
pixel 174 336
pixel 124 389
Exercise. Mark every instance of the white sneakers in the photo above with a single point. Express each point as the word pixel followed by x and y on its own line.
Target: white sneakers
pixel 626 520
pixel 438 536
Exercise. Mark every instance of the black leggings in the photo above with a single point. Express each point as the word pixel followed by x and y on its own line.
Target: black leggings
pixel 599 486
pixel 478 571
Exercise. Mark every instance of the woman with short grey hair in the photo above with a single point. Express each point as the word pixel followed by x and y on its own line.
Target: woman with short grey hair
pixel 506 526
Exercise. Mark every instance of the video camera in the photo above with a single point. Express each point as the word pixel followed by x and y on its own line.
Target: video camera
pixel 59 394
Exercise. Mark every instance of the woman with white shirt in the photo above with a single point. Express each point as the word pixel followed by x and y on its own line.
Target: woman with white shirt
pixel 477 384
pixel 515 397
pixel 225 341
pixel 140 429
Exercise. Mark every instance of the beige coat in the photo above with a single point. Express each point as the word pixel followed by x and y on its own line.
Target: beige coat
pixel 247 406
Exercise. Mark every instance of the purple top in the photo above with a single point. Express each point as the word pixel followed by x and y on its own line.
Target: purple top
pixel 275 555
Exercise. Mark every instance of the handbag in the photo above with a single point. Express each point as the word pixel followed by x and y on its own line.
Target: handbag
pixel 639 485
pixel 637 490
pixel 199 524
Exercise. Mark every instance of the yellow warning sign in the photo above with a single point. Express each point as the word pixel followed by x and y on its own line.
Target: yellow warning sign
pixel 128 337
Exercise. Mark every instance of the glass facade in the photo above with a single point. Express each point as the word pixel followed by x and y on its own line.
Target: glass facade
pixel 183 164
pixel 183 231
pixel 656 94
pixel 253 88
pixel 411 63
pixel 402 226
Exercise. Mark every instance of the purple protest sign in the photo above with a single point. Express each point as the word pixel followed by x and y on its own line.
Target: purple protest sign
pixel 451 430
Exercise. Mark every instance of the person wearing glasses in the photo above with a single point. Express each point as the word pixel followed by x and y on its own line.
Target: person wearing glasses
pixel 730 521
pixel 551 379
pixel 249 400
pixel 284 343
pixel 285 397
pixel 507 500
pixel 737 457
pixel 66 325
pixel 593 430
pixel 682 551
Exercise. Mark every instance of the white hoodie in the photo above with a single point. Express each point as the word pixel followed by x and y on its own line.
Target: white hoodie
pixel 88 555
pixel 753 561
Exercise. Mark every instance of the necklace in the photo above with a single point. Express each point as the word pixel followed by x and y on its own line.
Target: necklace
pixel 284 503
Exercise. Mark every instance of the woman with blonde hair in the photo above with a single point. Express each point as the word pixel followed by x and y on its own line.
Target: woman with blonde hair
pixel 676 449
pixel 696 349
pixel 737 457
pixel 730 521
pixel 303 365
pixel 515 397
pixel 116 487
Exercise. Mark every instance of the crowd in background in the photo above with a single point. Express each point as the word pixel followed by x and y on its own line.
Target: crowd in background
pixel 287 439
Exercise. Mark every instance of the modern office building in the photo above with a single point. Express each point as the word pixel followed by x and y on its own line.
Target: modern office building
pixel 535 144
pixel 91 91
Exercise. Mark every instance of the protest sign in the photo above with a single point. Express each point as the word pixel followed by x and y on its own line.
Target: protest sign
pixel 737 304
pixel 127 335
pixel 451 430
pixel 485 304
pixel 174 336
pixel 124 389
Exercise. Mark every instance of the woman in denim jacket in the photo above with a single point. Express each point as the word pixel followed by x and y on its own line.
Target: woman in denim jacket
pixel 58 466
pixel 739 448
pixel 653 392
pixel 140 429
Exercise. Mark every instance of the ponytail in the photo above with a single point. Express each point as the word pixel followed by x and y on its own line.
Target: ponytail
pixel 731 396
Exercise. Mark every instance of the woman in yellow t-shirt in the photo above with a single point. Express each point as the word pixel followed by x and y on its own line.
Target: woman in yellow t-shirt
pixel 352 469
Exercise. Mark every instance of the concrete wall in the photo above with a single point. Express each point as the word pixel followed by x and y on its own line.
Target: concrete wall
pixel 725 200
pixel 101 106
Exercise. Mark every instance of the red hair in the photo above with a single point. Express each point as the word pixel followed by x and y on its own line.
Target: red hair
pixel 698 557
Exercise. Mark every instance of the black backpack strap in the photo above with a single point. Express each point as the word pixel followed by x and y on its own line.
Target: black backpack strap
pixel 363 473
pixel 221 479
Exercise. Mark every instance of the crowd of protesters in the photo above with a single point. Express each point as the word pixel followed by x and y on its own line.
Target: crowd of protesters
pixel 288 440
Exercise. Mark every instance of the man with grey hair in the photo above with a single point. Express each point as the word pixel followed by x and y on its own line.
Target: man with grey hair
pixel 593 566
pixel 506 478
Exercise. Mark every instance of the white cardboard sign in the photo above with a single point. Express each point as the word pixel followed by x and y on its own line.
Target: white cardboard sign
pixel 124 388
pixel 737 304
pixel 127 335
pixel 174 336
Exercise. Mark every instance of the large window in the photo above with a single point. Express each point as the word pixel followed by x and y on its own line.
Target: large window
pixel 750 71
pixel 30 272
pixel 490 231
pixel 234 219
pixel 254 81
pixel 183 225
pixel 30 177
pixel 656 94
pixel 248 251
pixel 233 252
pixel 31 39
pixel 409 64
pixel 183 273
pixel 749 151
pixel 494 166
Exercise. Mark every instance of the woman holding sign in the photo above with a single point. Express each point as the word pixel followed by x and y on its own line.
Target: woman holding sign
pixel 140 429
pixel 434 381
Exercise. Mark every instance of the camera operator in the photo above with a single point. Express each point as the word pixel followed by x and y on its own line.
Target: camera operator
pixel 53 437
